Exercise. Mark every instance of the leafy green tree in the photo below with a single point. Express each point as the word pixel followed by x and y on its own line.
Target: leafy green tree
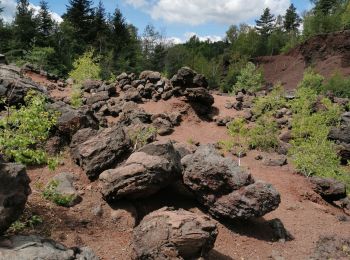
pixel 232 33
pixel 265 24
pixel 25 26
pixel 346 17
pixel 1 10
pixel 291 19
pixel 325 6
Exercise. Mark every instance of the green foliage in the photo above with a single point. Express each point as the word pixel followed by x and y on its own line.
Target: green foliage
pixel 40 57
pixel 85 67
pixel 142 136
pixel 50 193
pixel 263 135
pixel 316 156
pixel 312 80
pixel 337 85
pixel 250 79
pixel 311 152
pixel 270 103
pixel 25 130
pixel 19 225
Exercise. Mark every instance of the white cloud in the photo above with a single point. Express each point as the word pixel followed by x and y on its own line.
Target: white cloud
pixel 212 38
pixel 196 12
pixel 10 10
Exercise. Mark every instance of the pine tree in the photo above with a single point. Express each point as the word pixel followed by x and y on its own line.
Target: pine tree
pixel 265 24
pixel 45 24
pixel 1 10
pixel 291 20
pixel 325 6
pixel 24 26
pixel 80 15
pixel 100 28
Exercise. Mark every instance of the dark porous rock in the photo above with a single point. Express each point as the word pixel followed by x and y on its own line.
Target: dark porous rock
pixel 185 149
pixel 329 189
pixel 199 95
pixel 238 105
pixel 132 94
pixel 163 126
pixel 14 191
pixel 35 247
pixel 91 85
pixel 70 120
pixel 275 161
pixel 240 97
pixel 174 234
pixel 102 151
pixel 286 136
pixel 183 78
pixel 332 247
pixel 222 121
pixel 224 188
pixel 200 81
pixel 254 200
pixel 345 204
pixel 97 97
pixel 148 170
pixel 14 87
pixel 152 76
pixel 132 115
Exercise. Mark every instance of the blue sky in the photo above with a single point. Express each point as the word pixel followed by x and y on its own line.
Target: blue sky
pixel 180 19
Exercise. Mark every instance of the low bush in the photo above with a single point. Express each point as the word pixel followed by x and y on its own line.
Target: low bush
pixel 312 80
pixel 84 68
pixel 142 136
pixel 25 130
pixel 270 103
pixel 338 85
pixel 250 79
pixel 263 135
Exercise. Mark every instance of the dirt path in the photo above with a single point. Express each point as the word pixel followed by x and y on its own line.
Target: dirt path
pixel 90 223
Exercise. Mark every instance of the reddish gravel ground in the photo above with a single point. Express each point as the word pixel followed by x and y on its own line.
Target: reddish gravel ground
pixel 304 214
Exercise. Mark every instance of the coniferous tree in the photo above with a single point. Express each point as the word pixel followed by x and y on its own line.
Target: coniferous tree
pixel 100 28
pixel 325 6
pixel 265 24
pixel 45 24
pixel 291 20
pixel 1 10
pixel 80 15
pixel 24 26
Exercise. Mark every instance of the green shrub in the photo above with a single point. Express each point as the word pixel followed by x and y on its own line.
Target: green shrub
pixel 337 85
pixel 84 68
pixel 250 79
pixel 270 103
pixel 263 135
pixel 305 99
pixel 316 156
pixel 24 131
pixel 50 193
pixel 312 80
pixel 24 222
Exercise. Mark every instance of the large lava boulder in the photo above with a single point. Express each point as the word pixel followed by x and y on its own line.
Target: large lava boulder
pixel 14 191
pixel 70 120
pixel 101 151
pixel 150 169
pixel 329 189
pixel 188 78
pixel 224 188
pixel 174 234
pixel 13 86
pixel 34 247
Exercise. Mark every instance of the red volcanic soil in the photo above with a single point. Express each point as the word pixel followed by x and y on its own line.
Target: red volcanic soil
pixel 326 53
pixel 305 215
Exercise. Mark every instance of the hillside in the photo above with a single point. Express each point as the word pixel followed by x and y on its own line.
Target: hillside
pixel 326 53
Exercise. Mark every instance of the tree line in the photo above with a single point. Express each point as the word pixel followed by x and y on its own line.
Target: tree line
pixel 118 46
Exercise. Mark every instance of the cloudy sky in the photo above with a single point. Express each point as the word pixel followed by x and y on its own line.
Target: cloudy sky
pixel 180 19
